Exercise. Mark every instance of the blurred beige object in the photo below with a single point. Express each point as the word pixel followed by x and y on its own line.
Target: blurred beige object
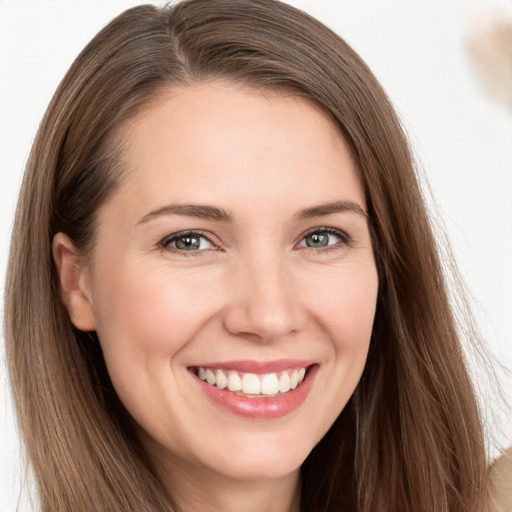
pixel 501 482
pixel 490 48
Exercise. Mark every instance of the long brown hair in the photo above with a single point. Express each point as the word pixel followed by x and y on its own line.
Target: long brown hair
pixel 410 438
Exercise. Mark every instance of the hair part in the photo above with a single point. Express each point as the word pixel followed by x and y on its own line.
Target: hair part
pixel 410 438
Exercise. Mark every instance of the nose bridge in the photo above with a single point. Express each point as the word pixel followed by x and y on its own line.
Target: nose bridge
pixel 265 303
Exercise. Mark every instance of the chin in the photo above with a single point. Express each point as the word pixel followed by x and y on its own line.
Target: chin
pixel 262 460
pixel 266 469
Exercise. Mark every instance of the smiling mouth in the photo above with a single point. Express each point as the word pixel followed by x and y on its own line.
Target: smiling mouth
pixel 252 385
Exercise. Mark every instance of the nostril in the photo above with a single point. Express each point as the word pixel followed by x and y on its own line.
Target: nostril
pixel 262 324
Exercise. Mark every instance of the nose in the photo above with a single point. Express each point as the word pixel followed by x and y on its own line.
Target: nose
pixel 263 301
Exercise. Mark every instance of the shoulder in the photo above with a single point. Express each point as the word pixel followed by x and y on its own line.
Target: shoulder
pixel 501 482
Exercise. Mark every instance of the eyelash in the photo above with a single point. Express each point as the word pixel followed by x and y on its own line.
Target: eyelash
pixel 165 243
pixel 345 239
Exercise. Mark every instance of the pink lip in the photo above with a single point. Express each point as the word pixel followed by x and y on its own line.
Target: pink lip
pixel 265 407
pixel 258 367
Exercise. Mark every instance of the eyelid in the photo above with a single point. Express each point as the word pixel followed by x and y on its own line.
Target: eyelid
pixel 164 243
pixel 345 237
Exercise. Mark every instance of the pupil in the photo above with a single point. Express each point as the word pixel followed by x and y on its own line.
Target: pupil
pixel 187 242
pixel 317 240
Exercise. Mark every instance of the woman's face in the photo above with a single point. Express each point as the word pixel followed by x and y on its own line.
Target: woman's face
pixel 233 283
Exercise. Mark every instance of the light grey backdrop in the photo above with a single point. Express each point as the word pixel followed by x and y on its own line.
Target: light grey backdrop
pixel 417 48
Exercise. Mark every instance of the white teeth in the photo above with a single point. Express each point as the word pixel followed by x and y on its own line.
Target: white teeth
pixel 294 379
pixel 269 384
pixel 210 377
pixel 222 380
pixel 252 384
pixel 284 382
pixel 234 382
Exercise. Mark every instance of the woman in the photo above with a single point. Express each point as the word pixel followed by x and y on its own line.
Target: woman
pixel 224 286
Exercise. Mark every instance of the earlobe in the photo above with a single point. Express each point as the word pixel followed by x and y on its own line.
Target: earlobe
pixel 74 283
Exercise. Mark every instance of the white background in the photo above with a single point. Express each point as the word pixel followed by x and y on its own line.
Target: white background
pixel 417 48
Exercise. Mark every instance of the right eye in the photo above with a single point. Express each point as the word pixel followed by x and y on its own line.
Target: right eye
pixel 187 241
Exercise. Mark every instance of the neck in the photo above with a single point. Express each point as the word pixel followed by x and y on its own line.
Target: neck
pixel 198 489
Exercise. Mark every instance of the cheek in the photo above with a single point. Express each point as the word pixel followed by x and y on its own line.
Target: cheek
pixel 145 318
pixel 345 303
pixel 149 309
pixel 343 300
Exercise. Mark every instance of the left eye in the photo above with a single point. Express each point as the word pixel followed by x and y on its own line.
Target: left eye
pixel 321 238
pixel 188 241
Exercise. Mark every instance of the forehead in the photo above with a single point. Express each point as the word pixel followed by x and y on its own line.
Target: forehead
pixel 219 142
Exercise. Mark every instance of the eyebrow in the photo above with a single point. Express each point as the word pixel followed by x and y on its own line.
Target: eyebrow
pixel 203 211
pixel 189 210
pixel 330 208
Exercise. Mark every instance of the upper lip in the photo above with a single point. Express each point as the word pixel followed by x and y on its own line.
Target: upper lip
pixel 250 366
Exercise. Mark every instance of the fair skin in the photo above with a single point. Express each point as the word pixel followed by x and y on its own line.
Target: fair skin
pixel 275 272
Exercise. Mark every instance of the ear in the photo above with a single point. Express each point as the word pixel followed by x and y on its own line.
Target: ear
pixel 74 283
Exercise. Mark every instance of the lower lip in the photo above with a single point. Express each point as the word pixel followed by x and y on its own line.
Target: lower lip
pixel 264 407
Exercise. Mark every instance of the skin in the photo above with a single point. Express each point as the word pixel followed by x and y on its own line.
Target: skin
pixel 254 290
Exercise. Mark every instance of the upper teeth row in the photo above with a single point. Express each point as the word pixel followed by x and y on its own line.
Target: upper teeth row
pixel 252 384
